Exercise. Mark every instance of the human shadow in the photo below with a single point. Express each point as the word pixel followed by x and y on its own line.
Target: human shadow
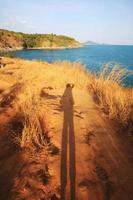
pixel 68 132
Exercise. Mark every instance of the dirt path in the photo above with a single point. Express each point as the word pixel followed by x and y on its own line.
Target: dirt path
pixel 99 165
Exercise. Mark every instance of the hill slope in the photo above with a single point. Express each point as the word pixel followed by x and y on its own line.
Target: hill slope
pixel 13 40
pixel 31 119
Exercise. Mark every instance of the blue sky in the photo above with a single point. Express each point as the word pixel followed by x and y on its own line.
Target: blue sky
pixel 104 21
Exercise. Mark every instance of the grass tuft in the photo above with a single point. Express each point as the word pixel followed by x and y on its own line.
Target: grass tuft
pixel 116 100
pixel 35 131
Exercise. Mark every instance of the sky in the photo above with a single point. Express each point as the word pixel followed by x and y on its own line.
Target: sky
pixel 102 21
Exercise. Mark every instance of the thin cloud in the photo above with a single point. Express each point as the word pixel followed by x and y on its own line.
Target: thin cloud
pixel 13 23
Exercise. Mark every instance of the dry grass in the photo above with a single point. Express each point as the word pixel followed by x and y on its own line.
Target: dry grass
pixel 106 86
pixel 116 100
pixel 38 74
pixel 35 128
pixel 72 72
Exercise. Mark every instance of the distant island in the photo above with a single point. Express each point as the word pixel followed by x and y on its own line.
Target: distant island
pixel 92 43
pixel 10 40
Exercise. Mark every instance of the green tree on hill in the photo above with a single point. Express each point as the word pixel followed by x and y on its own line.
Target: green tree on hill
pixel 17 39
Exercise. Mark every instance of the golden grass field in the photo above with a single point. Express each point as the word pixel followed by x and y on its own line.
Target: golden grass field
pixel 26 88
pixel 105 87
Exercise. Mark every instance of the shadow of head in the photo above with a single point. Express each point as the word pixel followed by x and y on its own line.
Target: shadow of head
pixel 67 100
pixel 70 85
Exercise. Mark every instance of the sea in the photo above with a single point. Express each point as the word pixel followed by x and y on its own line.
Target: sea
pixel 93 57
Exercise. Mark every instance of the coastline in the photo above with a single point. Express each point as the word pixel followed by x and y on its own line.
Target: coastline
pixel 53 48
pixel 4 50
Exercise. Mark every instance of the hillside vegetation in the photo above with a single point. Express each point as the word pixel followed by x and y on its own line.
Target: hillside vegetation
pixel 31 123
pixel 14 40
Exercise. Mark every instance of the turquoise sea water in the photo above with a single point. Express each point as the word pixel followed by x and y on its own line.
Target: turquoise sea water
pixel 93 56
